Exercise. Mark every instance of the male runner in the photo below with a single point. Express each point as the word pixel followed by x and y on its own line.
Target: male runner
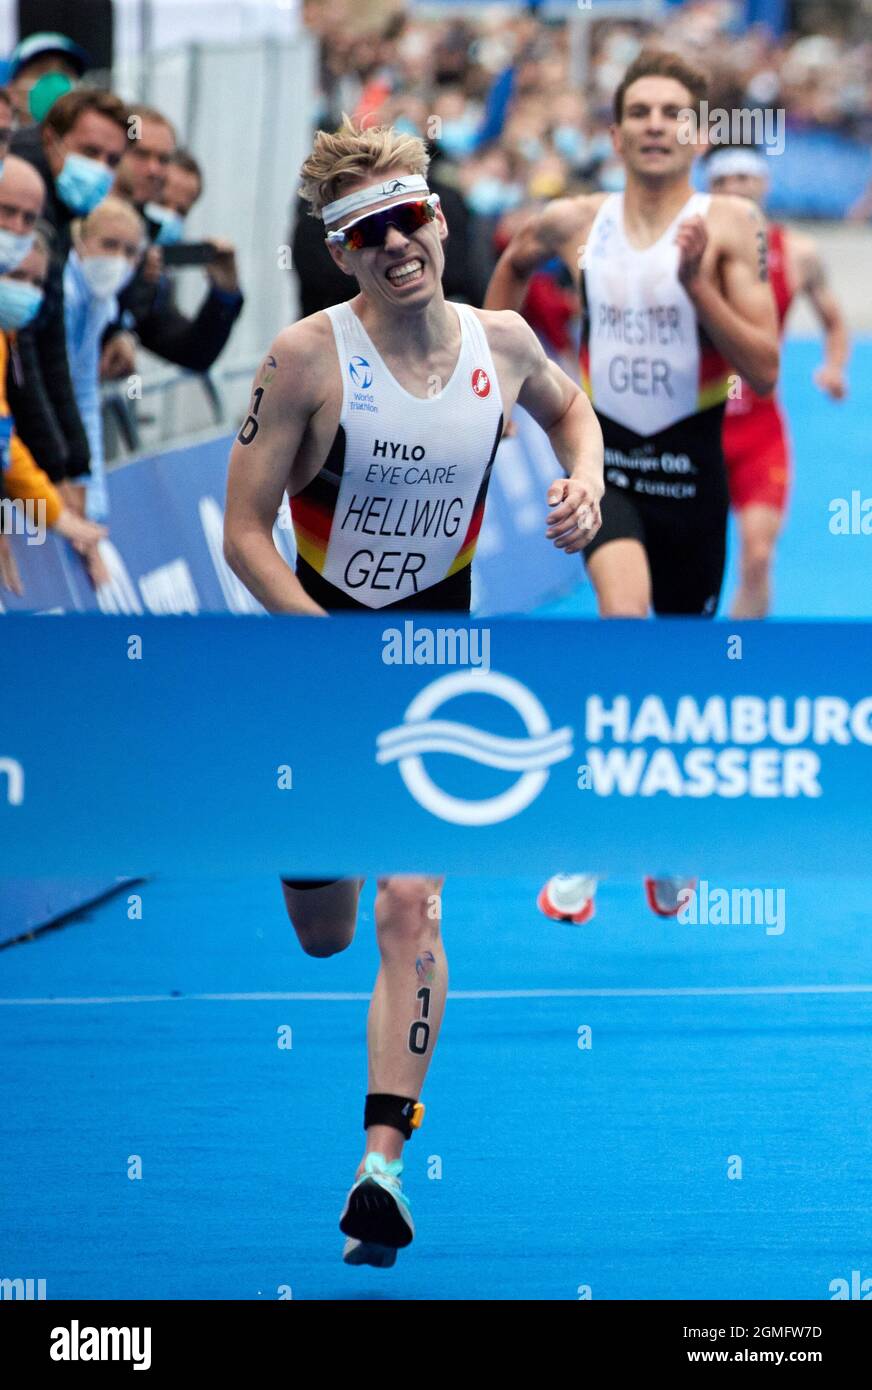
pixel 381 418
pixel 755 438
pixel 674 294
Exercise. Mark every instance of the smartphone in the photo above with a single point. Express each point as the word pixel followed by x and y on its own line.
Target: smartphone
pixel 189 253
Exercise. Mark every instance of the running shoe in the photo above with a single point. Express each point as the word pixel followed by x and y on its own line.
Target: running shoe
pixel 376 1218
pixel 568 898
pixel 663 894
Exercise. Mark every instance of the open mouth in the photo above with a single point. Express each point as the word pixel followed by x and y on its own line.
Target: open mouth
pixel 406 273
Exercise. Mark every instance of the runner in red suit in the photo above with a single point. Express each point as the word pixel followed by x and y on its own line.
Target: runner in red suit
pixel 755 441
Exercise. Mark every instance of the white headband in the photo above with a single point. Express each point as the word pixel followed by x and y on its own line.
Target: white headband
pixel 375 193
pixel 723 163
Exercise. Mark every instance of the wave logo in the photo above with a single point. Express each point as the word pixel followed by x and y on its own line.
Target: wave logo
pixel 420 733
pixel 360 372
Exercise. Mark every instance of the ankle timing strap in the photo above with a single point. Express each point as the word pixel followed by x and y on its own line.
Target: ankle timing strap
pixel 400 1112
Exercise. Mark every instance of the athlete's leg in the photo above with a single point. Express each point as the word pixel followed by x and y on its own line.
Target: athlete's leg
pixel 409 996
pixel 616 560
pixel 620 575
pixel 617 565
pixel 759 526
pixel 323 913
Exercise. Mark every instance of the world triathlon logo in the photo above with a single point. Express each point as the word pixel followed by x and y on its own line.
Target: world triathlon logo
pixel 420 733
pixel 360 372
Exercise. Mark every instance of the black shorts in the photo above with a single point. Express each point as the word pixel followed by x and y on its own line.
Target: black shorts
pixel 669 493
pixel 309 882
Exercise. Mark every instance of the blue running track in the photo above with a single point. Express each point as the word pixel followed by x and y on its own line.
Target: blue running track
pixel 560 1167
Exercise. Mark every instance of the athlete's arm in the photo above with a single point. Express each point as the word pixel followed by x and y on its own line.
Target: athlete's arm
pixel 811 280
pixel 741 321
pixel 284 398
pixel 568 419
pixel 545 235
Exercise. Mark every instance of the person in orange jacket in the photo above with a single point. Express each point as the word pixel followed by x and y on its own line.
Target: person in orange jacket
pixel 21 293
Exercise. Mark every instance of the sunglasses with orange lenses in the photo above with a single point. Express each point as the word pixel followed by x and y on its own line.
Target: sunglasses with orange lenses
pixel 372 229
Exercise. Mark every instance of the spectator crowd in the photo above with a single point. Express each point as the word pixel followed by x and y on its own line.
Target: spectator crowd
pixel 517 112
pixel 94 194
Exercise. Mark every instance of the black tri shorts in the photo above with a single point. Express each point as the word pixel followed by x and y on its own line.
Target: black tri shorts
pixel 668 491
pixel 309 882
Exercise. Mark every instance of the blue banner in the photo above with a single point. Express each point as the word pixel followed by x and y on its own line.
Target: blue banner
pixel 812 173
pixel 373 745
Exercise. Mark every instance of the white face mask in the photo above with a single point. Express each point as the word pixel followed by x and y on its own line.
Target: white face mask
pixel 106 275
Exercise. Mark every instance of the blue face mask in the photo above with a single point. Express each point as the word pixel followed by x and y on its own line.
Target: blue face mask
pixel 600 147
pixel 612 179
pixel 83 183
pixel 458 138
pixel 19 303
pixel 571 144
pixel 171 224
pixel 491 197
pixel 13 249
pixel 531 148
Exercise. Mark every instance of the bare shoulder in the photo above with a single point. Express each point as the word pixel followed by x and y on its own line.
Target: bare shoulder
pixel 510 336
pixel 300 357
pixel 564 218
pixel 560 223
pixel 302 339
pixel 800 246
pixel 733 219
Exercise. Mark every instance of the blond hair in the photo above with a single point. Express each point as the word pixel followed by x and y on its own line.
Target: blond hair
pixel 350 153
pixel 111 206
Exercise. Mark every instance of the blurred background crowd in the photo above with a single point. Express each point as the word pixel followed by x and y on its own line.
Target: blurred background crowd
pixel 105 176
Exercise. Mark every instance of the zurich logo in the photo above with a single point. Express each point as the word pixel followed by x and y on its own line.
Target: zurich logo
pixel 360 372
pixel 531 756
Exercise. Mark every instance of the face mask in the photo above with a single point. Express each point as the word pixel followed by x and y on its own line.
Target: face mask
pixel 405 126
pixel 45 92
pixel 83 183
pixel 13 249
pixel 531 148
pixel 600 147
pixel 570 143
pixel 171 223
pixel 492 197
pixel 19 303
pixel 612 178
pixel 458 138
pixel 106 275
